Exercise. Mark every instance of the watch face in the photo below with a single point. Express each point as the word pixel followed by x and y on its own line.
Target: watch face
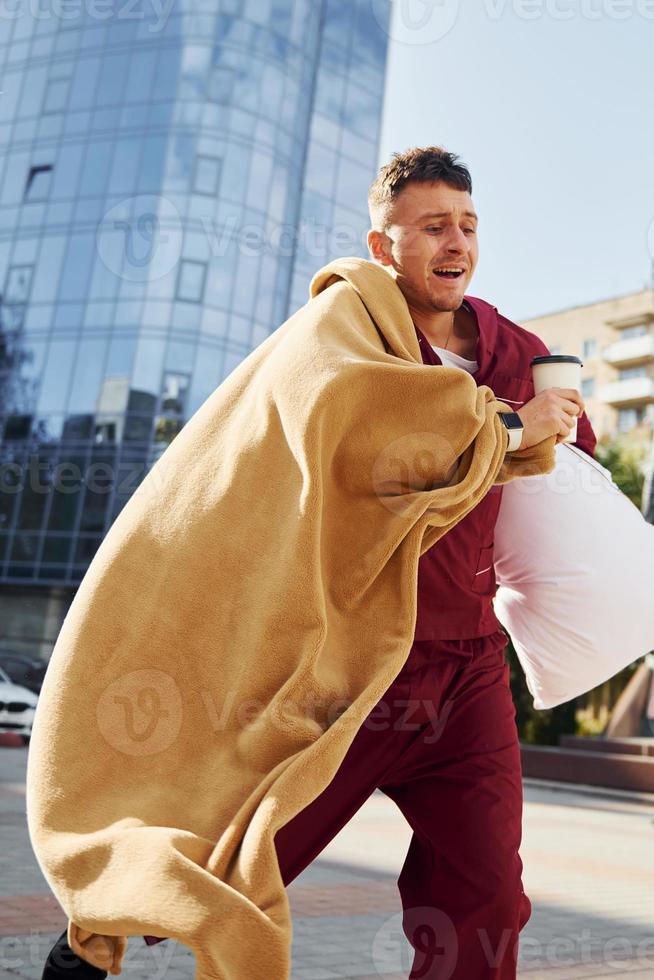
pixel 512 420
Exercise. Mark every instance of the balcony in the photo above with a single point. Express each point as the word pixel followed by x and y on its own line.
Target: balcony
pixel 631 391
pixel 634 350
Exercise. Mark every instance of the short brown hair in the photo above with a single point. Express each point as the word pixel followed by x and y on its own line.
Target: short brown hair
pixel 420 164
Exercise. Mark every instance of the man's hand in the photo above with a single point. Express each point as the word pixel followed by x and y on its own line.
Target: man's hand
pixel 553 411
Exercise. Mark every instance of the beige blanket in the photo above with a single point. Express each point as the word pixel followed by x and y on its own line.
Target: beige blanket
pixel 248 608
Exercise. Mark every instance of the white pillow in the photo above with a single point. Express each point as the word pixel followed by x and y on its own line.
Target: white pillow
pixel 574 561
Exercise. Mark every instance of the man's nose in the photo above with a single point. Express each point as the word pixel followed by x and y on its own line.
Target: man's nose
pixel 457 242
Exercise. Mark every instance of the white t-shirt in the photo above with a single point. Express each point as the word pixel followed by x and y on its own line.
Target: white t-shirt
pixel 450 359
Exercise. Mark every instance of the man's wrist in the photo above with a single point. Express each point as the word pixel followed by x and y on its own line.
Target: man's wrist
pixel 522 432
pixel 515 428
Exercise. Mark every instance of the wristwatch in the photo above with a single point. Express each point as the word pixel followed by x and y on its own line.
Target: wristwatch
pixel 513 423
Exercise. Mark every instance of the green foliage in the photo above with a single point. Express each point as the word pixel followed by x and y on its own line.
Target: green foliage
pixel 534 726
pixel 624 464
pixel 575 717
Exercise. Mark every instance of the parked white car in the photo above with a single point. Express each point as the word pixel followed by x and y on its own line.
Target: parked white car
pixel 17 706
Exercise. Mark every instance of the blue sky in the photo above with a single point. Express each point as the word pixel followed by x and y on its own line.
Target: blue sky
pixel 550 104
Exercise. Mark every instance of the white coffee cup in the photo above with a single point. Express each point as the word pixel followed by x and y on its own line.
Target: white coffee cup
pixel 557 371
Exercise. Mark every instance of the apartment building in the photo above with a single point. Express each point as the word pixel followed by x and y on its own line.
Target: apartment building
pixel 615 340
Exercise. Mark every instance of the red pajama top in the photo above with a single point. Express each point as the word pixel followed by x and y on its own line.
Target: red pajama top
pixel 456 577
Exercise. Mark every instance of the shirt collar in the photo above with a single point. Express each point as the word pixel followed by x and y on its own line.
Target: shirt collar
pixel 486 317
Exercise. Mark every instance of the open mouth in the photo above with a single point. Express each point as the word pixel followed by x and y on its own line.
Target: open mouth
pixel 448 272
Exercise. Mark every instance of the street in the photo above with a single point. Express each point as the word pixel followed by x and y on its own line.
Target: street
pixel 589 868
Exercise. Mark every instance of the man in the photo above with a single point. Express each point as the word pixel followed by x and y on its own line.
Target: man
pixel 451 761
pixel 423 221
pixel 462 793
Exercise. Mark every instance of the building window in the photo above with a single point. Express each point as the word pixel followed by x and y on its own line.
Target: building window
pixel 173 392
pixel 629 417
pixel 17 285
pixel 207 176
pixel 37 185
pixel 626 419
pixel 587 387
pixel 165 429
pixel 638 330
pixel 589 348
pixel 633 372
pixel 190 284
pixel 105 432
pixel 56 95
pixel 221 84
pixel 18 427
pixel 13 304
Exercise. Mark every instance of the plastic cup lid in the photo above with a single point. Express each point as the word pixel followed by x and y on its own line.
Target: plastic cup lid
pixel 557 359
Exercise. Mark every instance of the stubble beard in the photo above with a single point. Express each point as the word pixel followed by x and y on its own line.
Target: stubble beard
pixel 444 305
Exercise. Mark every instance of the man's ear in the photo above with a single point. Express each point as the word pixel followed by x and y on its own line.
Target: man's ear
pixel 379 246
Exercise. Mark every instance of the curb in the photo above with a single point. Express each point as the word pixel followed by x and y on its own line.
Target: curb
pixel 584 789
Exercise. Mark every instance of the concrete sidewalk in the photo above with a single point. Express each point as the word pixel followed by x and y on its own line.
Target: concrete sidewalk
pixel 589 870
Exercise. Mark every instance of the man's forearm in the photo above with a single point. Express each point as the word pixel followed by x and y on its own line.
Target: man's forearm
pixel 534 461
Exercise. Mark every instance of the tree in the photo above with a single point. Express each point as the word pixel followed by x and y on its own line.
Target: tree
pixel 536 726
pixel 625 464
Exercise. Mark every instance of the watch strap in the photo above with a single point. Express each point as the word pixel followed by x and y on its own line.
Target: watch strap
pixel 513 425
pixel 515 438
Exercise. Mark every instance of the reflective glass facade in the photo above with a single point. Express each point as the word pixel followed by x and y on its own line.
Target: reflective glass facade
pixel 161 180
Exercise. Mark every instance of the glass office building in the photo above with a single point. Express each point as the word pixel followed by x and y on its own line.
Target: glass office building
pixel 171 177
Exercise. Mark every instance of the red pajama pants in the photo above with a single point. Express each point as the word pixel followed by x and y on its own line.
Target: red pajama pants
pixel 442 743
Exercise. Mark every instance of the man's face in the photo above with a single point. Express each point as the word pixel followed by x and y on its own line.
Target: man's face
pixel 432 228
